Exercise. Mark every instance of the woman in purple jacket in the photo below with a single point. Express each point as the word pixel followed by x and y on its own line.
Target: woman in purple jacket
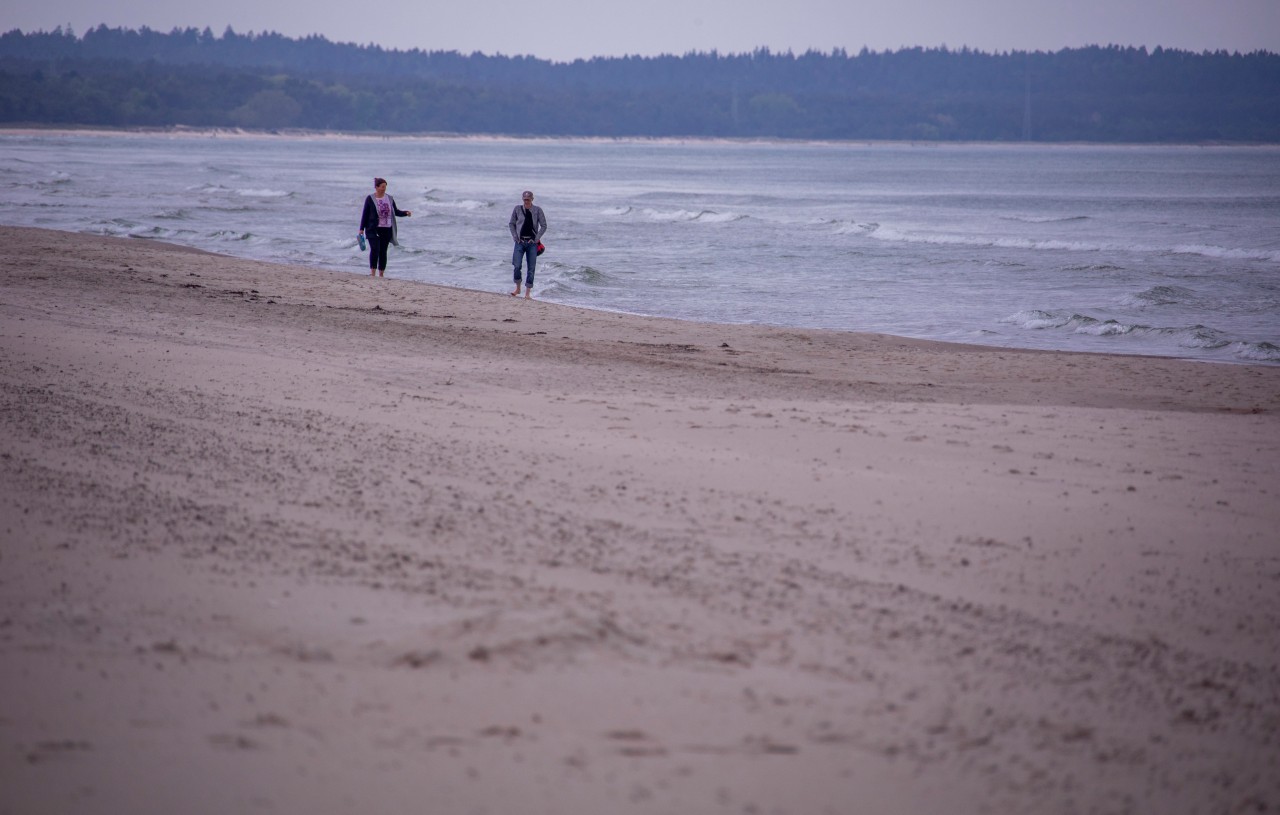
pixel 378 224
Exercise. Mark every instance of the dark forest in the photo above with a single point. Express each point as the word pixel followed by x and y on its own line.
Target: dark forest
pixel 111 77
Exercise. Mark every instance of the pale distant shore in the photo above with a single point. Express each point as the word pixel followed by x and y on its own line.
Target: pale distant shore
pixel 282 539
pixel 184 131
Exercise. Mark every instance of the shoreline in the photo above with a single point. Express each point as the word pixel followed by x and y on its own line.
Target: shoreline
pixel 342 135
pixel 1010 348
pixel 282 537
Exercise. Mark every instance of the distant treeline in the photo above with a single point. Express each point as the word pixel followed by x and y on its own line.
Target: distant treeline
pixel 126 78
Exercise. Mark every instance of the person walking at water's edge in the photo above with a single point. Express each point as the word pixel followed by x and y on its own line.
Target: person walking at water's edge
pixel 527 225
pixel 378 224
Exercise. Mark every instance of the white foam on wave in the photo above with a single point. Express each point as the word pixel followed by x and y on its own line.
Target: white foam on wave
pixel 710 217
pixel 262 193
pixel 1035 319
pixel 1046 219
pixel 467 204
pixel 1226 253
pixel 859 228
pixel 1199 337
pixel 234 236
pixel 890 234
pixel 1101 328
pixel 707 216
pixel 982 241
pixel 1256 351
pixel 676 215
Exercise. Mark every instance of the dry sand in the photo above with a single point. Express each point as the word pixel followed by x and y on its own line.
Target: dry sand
pixel 286 540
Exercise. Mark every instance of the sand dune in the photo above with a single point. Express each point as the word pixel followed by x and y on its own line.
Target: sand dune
pixel 280 539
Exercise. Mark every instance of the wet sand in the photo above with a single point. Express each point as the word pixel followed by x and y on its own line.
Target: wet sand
pixel 282 539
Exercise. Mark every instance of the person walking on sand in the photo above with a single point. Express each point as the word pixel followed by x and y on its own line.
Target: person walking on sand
pixel 378 224
pixel 528 224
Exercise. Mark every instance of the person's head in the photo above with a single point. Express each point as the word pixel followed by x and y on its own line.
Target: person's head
pixel 527 197
pixel 380 184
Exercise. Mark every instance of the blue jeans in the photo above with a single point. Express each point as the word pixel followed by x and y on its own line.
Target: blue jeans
pixel 527 252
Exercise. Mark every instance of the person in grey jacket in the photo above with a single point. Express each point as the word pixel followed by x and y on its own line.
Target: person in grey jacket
pixel 528 224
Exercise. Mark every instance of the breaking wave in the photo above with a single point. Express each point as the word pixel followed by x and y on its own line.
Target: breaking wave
pixel 1194 337
pixel 1052 219
pixel 263 193
pixel 706 216
pixel 883 233
pixel 1158 296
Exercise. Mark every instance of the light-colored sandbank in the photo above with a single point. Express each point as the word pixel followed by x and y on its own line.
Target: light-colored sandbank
pixel 285 540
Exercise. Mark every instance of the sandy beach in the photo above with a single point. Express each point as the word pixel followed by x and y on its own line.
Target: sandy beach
pixel 277 539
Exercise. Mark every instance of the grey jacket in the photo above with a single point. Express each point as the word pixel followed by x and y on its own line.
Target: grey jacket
pixel 517 222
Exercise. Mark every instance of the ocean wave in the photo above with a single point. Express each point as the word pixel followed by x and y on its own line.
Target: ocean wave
pixel 614 212
pixel 1227 253
pixel 1158 296
pixel 1046 219
pixel 1004 242
pixel 857 228
pixel 262 193
pixel 232 235
pixel 1200 337
pixel 159 233
pixel 223 172
pixel 1256 351
pixel 712 217
pixel 54 180
pixel 110 229
pixel 232 208
pixel 568 279
pixel 589 275
pixel 979 241
pixel 1035 319
pixel 468 204
pixel 703 215
pixel 1196 336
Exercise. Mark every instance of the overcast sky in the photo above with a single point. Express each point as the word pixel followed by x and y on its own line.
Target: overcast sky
pixel 563 30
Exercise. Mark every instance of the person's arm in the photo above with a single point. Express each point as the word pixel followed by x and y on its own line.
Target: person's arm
pixel 364 213
pixel 512 224
pixel 400 213
pixel 542 223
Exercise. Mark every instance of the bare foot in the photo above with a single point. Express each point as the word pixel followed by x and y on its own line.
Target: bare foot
pixel 516 293
pixel 380 274
pixel 528 294
pixel 373 273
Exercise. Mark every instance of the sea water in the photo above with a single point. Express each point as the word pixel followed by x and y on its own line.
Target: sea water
pixel 1171 251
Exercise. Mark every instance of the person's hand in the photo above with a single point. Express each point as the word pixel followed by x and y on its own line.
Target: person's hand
pixel 408 212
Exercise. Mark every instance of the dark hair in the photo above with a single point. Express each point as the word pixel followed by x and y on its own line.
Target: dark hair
pixel 378 182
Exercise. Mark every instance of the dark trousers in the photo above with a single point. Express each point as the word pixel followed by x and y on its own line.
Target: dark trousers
pixel 379 239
